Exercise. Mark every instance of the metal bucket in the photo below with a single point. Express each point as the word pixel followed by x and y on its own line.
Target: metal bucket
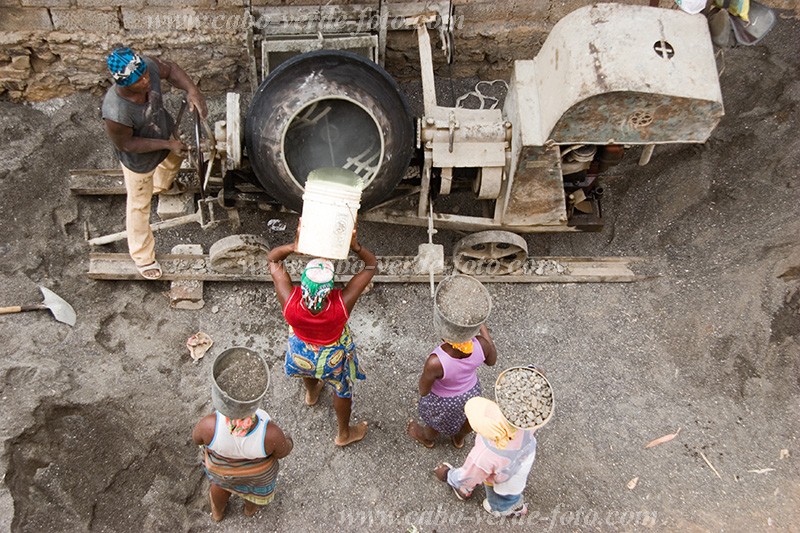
pixel 220 399
pixel 498 384
pixel 448 328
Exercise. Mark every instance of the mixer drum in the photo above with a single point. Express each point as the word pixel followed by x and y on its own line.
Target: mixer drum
pixel 328 109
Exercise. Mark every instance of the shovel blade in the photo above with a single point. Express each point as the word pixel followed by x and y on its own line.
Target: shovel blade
pixel 62 311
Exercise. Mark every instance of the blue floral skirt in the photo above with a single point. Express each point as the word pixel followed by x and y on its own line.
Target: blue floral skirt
pixel 335 364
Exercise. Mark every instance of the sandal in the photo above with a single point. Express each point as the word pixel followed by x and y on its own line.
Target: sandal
pixel 460 495
pixel 153 268
pixel 177 187
pixel 516 512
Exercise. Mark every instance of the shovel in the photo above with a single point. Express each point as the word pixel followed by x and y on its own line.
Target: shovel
pixel 62 311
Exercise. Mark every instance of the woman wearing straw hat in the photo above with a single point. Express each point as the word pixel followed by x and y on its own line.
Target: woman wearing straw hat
pixel 501 459
pixel 321 349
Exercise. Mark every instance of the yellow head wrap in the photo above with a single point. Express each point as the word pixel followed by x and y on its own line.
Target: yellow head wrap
pixel 488 421
pixel 463 347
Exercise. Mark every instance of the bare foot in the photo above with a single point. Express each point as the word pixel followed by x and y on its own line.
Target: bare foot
pixel 312 397
pixel 250 509
pixel 414 431
pixel 355 434
pixel 441 472
pixel 458 442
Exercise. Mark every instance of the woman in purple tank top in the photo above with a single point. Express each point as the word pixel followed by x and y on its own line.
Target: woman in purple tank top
pixel 449 378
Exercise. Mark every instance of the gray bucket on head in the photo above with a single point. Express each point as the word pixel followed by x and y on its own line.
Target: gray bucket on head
pixel 450 330
pixel 221 400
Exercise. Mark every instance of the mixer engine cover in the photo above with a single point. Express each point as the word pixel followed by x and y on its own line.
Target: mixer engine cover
pixel 328 109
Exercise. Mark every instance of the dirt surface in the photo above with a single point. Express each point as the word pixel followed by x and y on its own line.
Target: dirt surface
pixel 97 418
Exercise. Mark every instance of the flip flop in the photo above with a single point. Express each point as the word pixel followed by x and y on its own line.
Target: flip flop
pixel 762 19
pixel 458 494
pixel 148 268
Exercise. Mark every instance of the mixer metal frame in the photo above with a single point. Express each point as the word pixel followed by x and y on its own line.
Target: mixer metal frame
pixel 530 171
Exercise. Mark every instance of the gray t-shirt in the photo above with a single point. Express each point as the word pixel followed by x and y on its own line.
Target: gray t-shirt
pixel 149 120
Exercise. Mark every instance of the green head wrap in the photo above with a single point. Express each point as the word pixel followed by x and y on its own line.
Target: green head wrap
pixel 316 283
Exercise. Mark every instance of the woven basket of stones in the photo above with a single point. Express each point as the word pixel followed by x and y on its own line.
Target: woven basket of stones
pixel 525 397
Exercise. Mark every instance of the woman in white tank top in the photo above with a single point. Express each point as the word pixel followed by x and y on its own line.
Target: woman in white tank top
pixel 240 456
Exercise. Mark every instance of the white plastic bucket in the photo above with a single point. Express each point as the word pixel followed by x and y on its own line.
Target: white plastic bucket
pixel 330 208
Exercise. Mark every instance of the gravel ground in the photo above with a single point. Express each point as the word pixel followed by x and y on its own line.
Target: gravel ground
pixel 97 418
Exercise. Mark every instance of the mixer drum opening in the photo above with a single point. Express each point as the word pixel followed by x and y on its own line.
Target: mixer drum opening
pixel 328 108
pixel 333 133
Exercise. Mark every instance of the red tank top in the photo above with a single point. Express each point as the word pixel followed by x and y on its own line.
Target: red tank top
pixel 323 328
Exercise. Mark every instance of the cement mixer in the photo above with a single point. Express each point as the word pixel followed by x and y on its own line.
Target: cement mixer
pixel 644 76
pixel 609 77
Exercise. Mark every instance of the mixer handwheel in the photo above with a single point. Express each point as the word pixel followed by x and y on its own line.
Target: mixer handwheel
pixel 490 252
pixel 239 254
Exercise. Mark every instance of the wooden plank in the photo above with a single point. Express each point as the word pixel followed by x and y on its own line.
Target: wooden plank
pixel 96 181
pixel 391 269
pixel 108 182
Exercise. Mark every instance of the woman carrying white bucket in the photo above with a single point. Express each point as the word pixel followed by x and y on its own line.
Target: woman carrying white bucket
pixel 321 348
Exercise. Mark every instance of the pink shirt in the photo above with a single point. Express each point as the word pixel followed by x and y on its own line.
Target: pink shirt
pixel 460 375
pixel 506 469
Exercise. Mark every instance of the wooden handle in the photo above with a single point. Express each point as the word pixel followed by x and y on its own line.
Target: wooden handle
pixel 21 308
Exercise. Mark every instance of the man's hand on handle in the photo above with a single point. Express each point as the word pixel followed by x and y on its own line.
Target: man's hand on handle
pixel 178 147
pixel 197 101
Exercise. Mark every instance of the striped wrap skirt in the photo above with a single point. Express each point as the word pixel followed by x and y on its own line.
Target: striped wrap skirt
pixel 251 479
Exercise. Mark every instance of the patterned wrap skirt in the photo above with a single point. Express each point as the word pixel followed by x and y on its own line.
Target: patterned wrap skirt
pixel 335 364
pixel 446 414
pixel 251 479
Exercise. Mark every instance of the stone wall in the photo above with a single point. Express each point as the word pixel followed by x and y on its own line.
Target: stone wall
pixel 51 48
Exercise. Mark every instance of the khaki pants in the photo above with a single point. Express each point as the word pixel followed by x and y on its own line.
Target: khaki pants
pixel 140 188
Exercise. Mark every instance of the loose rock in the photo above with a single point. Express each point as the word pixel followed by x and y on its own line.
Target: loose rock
pixel 524 397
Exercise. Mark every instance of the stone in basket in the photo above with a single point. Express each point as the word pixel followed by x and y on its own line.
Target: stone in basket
pixel 525 397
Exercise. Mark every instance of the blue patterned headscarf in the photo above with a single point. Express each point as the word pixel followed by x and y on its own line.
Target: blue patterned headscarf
pixel 126 66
